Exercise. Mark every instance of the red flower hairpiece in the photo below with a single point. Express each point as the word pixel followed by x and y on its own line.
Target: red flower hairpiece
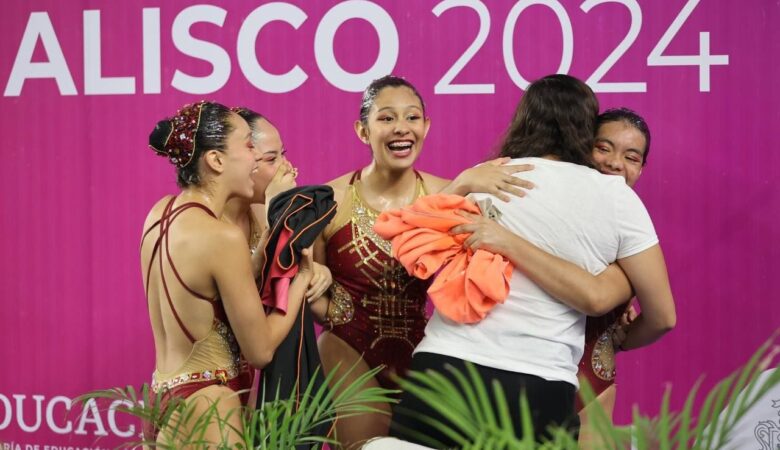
pixel 180 145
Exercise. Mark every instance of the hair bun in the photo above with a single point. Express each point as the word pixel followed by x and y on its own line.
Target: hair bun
pixel 159 135
pixel 175 138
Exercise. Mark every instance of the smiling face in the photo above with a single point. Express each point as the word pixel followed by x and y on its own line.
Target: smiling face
pixel 270 151
pixel 395 128
pixel 240 157
pixel 619 149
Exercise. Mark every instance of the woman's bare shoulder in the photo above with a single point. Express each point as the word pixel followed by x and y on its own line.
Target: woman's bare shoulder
pixel 434 183
pixel 340 185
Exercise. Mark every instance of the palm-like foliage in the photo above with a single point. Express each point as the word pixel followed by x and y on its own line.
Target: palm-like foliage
pixel 278 424
pixel 471 417
pixel 475 422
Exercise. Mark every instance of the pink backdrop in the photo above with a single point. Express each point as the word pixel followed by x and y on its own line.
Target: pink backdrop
pixel 77 178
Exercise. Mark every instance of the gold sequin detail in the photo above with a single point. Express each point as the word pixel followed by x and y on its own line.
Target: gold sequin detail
pixel 603 358
pixel 341 309
pixel 393 313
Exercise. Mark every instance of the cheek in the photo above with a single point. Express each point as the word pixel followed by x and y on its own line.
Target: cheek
pixel 263 176
pixel 599 160
pixel 632 175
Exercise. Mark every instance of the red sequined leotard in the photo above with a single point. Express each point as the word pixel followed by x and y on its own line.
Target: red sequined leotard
pixel 597 365
pixel 389 305
pixel 215 358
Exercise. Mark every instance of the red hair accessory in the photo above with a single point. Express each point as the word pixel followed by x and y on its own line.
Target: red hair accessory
pixel 180 144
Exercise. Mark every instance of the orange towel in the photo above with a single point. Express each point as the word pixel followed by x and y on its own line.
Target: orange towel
pixel 469 284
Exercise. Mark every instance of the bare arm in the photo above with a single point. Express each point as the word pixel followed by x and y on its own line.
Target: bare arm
pixel 319 305
pixel 258 335
pixel 590 294
pixel 647 274
pixel 492 177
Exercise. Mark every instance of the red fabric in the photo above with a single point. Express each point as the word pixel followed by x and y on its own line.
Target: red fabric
pixel 242 383
pixel 363 332
pixel 595 327
pixel 275 290
pixel 469 284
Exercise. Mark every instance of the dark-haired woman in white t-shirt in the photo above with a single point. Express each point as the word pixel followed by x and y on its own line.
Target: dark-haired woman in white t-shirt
pixel 533 342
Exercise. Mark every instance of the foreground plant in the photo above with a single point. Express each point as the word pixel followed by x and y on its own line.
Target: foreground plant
pixel 278 424
pixel 476 420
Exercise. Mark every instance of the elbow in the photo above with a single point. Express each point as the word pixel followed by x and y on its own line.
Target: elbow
pixel 260 359
pixel 597 306
pixel 663 323
pixel 667 322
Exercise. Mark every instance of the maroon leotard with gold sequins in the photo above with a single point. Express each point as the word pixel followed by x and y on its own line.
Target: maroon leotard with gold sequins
pixel 389 305
pixel 597 365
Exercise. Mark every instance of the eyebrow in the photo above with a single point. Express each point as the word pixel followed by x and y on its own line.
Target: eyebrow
pixel 405 107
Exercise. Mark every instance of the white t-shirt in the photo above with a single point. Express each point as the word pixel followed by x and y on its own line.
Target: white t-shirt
pixel 578 214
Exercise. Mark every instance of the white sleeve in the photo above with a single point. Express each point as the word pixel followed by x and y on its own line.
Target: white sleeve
pixel 634 226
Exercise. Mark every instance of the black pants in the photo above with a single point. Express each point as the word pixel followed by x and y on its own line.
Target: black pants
pixel 551 402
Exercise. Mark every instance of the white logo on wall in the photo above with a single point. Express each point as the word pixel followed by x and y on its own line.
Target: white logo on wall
pixel 30 413
pixel 768 432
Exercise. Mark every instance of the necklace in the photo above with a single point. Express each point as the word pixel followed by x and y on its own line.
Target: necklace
pixel 254 233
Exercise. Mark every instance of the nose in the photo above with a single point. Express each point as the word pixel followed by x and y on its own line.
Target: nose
pixel 401 128
pixel 256 154
pixel 615 162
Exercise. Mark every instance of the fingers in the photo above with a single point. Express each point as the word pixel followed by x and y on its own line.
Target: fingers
pixel 468 215
pixel 316 290
pixel 519 182
pixel 628 316
pixel 506 188
pixel 499 193
pixel 515 168
pixel 307 260
pixel 319 283
pixel 471 242
pixel 498 161
pixel 631 313
pixel 463 229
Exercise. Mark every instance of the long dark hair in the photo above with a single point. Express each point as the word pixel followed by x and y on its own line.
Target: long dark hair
pixel 556 116
pixel 211 134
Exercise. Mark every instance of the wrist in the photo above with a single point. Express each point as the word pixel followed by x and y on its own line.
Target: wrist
pixel 458 187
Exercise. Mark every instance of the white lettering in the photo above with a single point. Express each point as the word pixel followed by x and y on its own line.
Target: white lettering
pixel 112 419
pixel 39 25
pixel 247 57
pixel 151 32
pixel 20 412
pixel 326 32
pixel 94 82
pixel 50 415
pixel 90 414
pixel 207 51
pixel 8 412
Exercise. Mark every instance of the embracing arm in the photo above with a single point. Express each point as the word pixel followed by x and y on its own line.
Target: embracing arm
pixel 590 294
pixel 492 177
pixel 258 335
pixel 594 295
pixel 647 274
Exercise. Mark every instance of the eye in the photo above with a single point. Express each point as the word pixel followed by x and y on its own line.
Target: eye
pixel 603 149
pixel 384 119
pixel 413 117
